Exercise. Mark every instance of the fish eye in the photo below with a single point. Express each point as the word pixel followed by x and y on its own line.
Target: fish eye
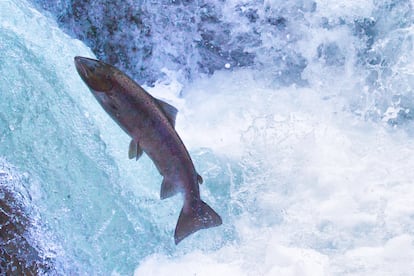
pixel 113 106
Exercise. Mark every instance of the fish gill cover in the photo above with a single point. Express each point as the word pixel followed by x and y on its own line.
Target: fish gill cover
pixel 296 113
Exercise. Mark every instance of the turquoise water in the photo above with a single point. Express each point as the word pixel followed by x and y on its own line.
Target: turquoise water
pixel 312 176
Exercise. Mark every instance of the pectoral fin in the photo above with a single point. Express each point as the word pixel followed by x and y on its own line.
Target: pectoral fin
pixel 168 188
pixel 169 110
pixel 135 150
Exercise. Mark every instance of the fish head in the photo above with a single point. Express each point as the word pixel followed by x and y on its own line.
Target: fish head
pixel 96 74
pixel 103 80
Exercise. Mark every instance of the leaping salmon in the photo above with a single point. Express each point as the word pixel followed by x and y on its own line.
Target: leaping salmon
pixel 150 123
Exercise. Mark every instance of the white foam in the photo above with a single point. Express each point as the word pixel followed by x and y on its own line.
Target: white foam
pixel 265 259
pixel 354 8
pixel 323 188
pixel 319 191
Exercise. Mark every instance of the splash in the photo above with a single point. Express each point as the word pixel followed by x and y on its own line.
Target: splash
pixel 305 146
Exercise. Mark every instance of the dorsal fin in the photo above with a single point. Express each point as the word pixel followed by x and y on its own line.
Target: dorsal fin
pixel 169 110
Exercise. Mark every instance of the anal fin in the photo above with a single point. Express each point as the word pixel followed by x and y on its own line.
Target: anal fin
pixel 134 151
pixel 168 188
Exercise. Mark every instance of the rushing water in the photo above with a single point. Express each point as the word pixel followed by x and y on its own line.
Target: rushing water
pixel 296 113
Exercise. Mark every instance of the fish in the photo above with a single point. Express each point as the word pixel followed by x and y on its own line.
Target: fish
pixel 150 123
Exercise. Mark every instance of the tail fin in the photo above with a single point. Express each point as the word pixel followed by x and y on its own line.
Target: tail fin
pixel 201 218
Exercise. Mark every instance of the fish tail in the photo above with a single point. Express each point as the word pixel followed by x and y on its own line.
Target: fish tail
pixel 201 217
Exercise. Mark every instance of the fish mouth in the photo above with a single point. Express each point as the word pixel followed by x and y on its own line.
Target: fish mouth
pixel 85 66
pixel 95 73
